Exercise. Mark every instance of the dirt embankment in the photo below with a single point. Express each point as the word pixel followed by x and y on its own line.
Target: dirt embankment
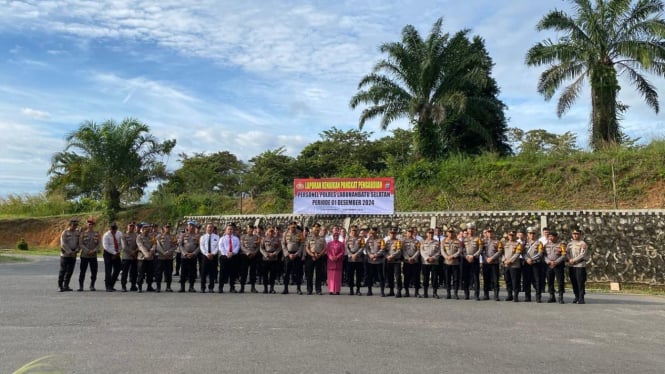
pixel 37 232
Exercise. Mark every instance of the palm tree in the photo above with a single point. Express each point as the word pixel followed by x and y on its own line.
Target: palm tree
pixel 430 82
pixel 602 40
pixel 109 162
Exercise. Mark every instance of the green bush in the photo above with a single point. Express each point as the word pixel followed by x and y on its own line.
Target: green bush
pixel 22 245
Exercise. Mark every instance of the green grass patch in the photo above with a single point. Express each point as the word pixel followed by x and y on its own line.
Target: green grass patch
pixel 5 259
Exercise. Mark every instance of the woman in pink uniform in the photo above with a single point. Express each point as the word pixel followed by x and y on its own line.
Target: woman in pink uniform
pixel 335 251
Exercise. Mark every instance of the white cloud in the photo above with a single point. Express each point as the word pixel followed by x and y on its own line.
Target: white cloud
pixel 34 113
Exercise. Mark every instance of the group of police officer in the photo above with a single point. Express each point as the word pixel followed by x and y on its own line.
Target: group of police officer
pixel 396 263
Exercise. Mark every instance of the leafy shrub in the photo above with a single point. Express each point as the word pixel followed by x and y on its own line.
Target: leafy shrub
pixel 22 245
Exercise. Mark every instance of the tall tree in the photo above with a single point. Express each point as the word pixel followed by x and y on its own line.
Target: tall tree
pixel 431 82
pixel 220 172
pixel 111 162
pixel 603 36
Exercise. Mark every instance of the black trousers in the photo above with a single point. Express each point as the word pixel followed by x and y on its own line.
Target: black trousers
pixel 67 265
pixel 471 275
pixel 490 277
pixel 411 275
pixel 112 266
pixel 208 273
pixel 315 269
pixel 451 275
pixel 394 274
pixel 83 267
pixel 374 272
pixel 533 276
pixel 178 263
pixel 440 268
pixel 270 270
pixel 188 271
pixel 164 271
pixel 129 270
pixel 552 274
pixel 146 272
pixel 293 271
pixel 430 272
pixel 578 280
pixel 513 278
pixel 248 265
pixel 228 270
pixel 355 273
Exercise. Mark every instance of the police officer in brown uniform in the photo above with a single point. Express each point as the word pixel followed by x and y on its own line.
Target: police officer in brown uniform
pixel 315 259
pixel 411 266
pixel 533 272
pixel 577 251
pixel 393 267
pixel 146 246
pixel 90 240
pixel 189 253
pixel 271 247
pixel 473 245
pixel 355 247
pixel 166 246
pixel 430 252
pixel 250 242
pixel 293 245
pixel 451 251
pixel 129 261
pixel 69 247
pixel 555 257
pixel 491 253
pixel 512 265
pixel 375 250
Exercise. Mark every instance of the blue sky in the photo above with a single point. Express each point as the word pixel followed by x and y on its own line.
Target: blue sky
pixel 241 76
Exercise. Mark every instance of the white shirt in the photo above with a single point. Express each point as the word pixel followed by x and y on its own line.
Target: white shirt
pixel 109 246
pixel 224 245
pixel 214 244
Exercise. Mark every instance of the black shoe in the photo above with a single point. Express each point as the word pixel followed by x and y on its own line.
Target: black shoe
pixel 93 289
pixel 265 290
pixel 273 292
pixel 233 290
pixel 192 289
pixel 253 290
pixel 124 289
pixel 319 293
pixel 110 290
pixel 298 291
pixel 133 289
pixel 221 290
pixel 168 289
pixel 67 289
pixel 203 290
pixel 435 296
pixel 181 290
pixel 285 291
pixel 80 289
pixel 309 292
pixel 581 301
pixel 575 300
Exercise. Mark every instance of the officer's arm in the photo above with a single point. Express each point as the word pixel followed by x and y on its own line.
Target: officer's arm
pixel 516 253
pixel 262 247
pixel 563 256
pixel 141 246
pixel 64 246
pixel 158 243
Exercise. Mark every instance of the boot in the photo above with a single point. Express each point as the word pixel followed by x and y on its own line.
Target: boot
pixel 551 299
pixel 253 290
pixel 486 295
pixel 456 297
pixel 60 286
pixel 399 293
pixel 581 300
pixel 391 292
pixel 448 295
pixel 466 294
pixel 496 295
pixel 369 291
pixel 477 294
pixel 425 295
pixel 516 297
pixel 560 297
pixel 358 291
pixel 285 291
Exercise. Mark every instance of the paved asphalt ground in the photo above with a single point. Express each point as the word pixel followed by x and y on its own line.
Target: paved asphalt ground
pixel 99 332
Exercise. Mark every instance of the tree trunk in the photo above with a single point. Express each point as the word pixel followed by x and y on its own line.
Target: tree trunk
pixel 112 203
pixel 604 119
